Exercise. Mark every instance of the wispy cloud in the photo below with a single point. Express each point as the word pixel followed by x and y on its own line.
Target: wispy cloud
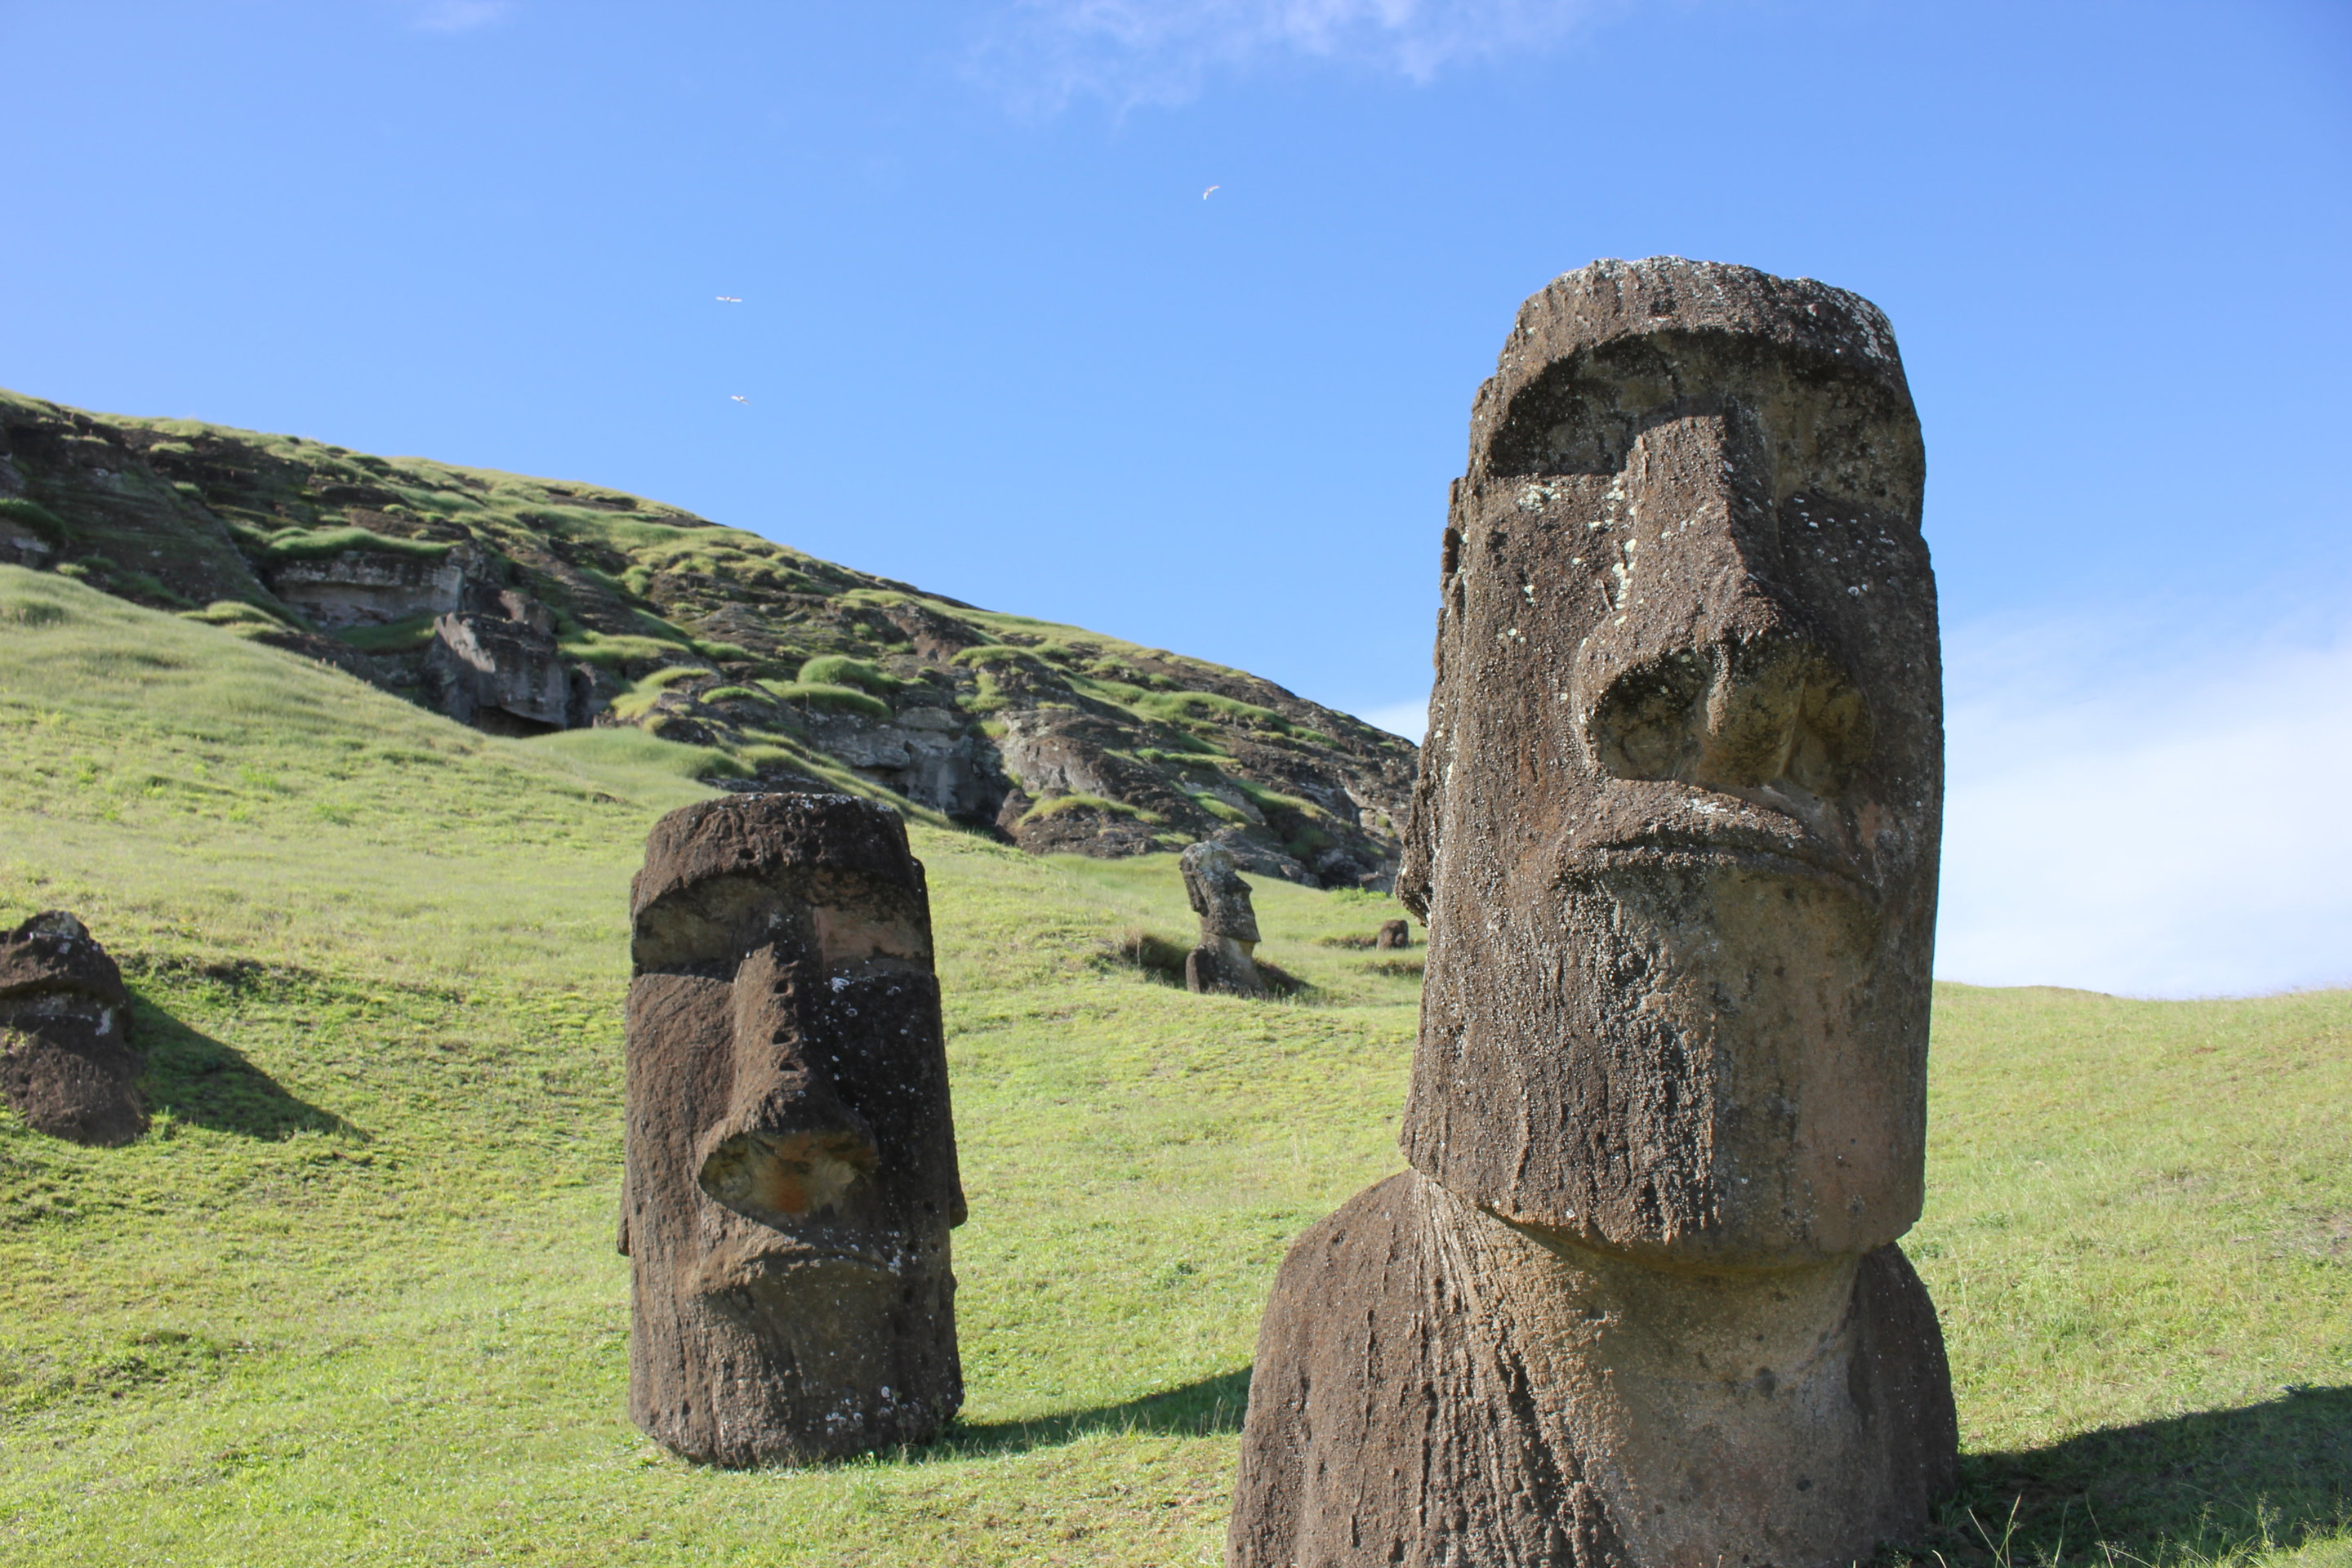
pixel 2148 808
pixel 1409 719
pixel 461 16
pixel 1043 53
pixel 2141 804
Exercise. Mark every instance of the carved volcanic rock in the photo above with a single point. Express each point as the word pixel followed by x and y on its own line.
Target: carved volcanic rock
pixel 1225 957
pixel 397 570
pixel 1639 1301
pixel 66 1059
pixel 791 1153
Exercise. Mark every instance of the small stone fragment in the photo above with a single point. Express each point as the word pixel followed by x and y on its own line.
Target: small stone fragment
pixel 67 1063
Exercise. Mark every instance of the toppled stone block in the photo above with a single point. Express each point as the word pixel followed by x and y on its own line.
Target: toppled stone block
pixel 792 1174
pixel 67 1062
pixel 1225 959
pixel 1639 1300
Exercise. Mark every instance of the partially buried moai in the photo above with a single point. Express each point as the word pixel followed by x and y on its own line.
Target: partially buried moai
pixel 791 1156
pixel 1638 1300
pixel 1225 958
pixel 67 1061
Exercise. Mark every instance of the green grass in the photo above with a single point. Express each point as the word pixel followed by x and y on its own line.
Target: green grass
pixel 313 544
pixel 355 1299
pixel 828 699
pixel 840 669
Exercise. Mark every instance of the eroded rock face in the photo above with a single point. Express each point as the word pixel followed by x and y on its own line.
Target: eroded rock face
pixel 66 1059
pixel 1225 958
pixel 929 753
pixel 500 670
pixel 375 587
pixel 791 1167
pixel 1674 838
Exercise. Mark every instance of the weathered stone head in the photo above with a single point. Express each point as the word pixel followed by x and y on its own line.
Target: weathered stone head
pixel 66 1059
pixel 1214 884
pixel 1676 824
pixel 1225 957
pixel 792 1164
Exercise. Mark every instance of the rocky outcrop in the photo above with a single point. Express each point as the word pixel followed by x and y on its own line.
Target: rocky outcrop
pixel 67 1062
pixel 503 671
pixel 399 570
pixel 373 587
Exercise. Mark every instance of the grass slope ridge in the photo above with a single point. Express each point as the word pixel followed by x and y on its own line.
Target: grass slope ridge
pixel 786 668
pixel 355 1299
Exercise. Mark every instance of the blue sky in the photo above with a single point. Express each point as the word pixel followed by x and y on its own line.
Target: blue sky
pixel 993 340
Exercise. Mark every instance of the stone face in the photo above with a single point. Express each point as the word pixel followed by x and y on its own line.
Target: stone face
pixel 791 1170
pixel 1225 958
pixel 1674 839
pixel 1392 934
pixel 67 1063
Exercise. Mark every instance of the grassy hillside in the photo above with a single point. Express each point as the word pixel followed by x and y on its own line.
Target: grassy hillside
pixel 355 1299
pixel 780 665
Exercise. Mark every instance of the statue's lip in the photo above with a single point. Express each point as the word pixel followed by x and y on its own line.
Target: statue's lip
pixel 743 1266
pixel 1803 859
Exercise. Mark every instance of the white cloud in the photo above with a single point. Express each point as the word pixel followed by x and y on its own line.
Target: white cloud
pixel 461 16
pixel 2148 808
pixel 2147 805
pixel 1409 719
pixel 1044 53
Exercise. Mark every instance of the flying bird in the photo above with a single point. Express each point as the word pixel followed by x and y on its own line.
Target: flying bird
pixel 738 397
pixel 1211 191
pixel 731 299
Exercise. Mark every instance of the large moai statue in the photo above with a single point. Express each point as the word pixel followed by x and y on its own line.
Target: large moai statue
pixel 67 1061
pixel 1638 1301
pixel 1225 959
pixel 792 1164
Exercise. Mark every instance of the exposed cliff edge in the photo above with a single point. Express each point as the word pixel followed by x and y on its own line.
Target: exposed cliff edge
pixel 524 605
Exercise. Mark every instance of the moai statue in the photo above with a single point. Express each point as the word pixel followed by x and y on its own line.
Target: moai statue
pixel 66 1059
pixel 1225 959
pixel 792 1164
pixel 1392 934
pixel 1638 1301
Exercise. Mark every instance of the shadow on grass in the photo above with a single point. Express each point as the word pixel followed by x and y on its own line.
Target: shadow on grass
pixel 1211 1407
pixel 2188 1490
pixel 208 1083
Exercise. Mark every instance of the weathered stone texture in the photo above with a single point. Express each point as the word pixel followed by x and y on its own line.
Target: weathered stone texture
pixel 67 1062
pixel 791 1169
pixel 1674 840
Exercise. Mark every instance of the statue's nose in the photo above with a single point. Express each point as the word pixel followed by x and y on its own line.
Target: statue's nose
pixel 790 1146
pixel 1707 670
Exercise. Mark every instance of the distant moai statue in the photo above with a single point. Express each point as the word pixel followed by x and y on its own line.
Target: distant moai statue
pixel 1392 934
pixel 1225 959
pixel 67 1062
pixel 790 1154
pixel 1638 1301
